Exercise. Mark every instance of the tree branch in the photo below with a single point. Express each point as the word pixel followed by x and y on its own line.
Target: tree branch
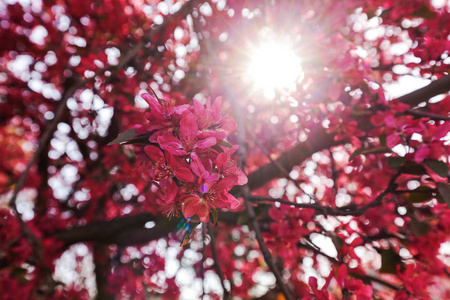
pixel 374 279
pixel 435 88
pixel 326 210
pixel 249 208
pixel 102 269
pixel 423 114
pixel 104 231
pixel 353 274
pixel 226 293
pixel 130 230
pixel 319 140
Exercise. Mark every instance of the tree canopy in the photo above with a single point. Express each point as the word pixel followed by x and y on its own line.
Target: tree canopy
pixel 224 149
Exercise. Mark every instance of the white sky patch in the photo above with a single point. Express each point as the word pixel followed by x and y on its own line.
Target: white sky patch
pixel 325 244
pixel 264 281
pixel 63 23
pixel 405 84
pixel 38 35
pixel 25 202
pixel 113 55
pixel 20 66
pixel 400 150
pixel 400 48
pixel 274 66
pixel 69 270
pixel 103 120
pixel 440 3
pixel 62 182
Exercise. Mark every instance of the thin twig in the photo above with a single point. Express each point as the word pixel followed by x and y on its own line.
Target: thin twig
pixel 333 171
pixel 349 211
pixel 279 166
pixel 290 158
pixel 374 279
pixel 249 208
pixel 264 250
pixel 284 171
pixel 446 272
pixel 226 293
pixel 353 274
pixel 423 114
pixel 202 266
pixel 390 188
pixel 316 251
pixel 287 202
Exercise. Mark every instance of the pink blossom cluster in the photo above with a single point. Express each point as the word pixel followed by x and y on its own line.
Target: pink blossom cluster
pixel 399 128
pixel 188 157
pixel 348 284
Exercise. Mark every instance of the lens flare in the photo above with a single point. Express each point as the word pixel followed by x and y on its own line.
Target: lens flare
pixel 274 67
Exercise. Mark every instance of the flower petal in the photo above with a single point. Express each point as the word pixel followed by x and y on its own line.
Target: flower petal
pixel 225 184
pixel 188 127
pixel 206 143
pixel 194 206
pixel 183 174
pixel 421 153
pixel 196 165
pixel 393 140
pixel 154 153
pixel 152 102
pixel 226 200
pixel 172 144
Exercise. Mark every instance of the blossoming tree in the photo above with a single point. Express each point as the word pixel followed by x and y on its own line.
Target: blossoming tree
pixel 224 149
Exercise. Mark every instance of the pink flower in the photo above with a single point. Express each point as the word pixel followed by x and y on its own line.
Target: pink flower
pixel 211 192
pixel 415 280
pixel 193 177
pixel 187 140
pixel 354 286
pixel 159 109
pixel 165 166
pixel 210 118
pixel 393 140
pixel 421 153
pixel 171 195
pixel 160 117
pixel 195 205
pixel 321 294
pixel 226 166
pixel 390 121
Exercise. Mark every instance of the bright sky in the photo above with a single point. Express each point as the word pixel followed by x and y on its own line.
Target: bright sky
pixel 274 66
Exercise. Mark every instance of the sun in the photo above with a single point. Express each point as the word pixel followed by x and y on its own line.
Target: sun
pixel 273 67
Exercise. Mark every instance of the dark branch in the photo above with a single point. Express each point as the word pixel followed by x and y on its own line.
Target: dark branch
pixel 435 88
pixel 318 140
pixel 353 274
pixel 374 279
pixel 326 210
pixel 423 114
pixel 249 207
pixel 104 231
pixel 226 293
